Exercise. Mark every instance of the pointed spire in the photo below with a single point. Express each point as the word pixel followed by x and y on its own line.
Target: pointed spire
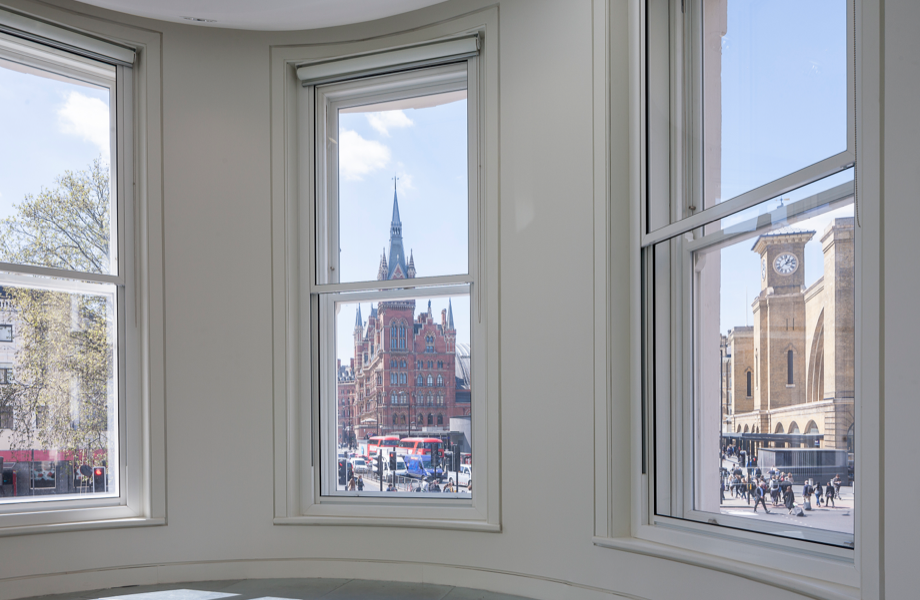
pixel 410 272
pixel 429 308
pixel 383 270
pixel 450 315
pixel 396 268
pixel 358 321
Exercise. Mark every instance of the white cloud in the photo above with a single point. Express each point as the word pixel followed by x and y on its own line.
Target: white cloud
pixel 358 156
pixel 391 119
pixel 87 118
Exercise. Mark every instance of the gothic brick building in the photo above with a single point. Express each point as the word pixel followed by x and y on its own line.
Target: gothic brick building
pixel 406 375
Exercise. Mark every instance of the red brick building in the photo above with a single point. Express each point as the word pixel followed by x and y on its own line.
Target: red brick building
pixel 406 377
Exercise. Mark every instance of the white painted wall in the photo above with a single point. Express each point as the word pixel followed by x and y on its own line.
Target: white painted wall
pixel 218 334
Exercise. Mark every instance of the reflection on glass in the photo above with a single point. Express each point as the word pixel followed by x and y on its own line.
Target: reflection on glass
pixel 416 149
pixel 403 386
pixel 56 202
pixel 774 317
pixel 58 421
pixel 775 77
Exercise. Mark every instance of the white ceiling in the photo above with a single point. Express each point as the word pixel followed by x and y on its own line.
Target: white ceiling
pixel 265 14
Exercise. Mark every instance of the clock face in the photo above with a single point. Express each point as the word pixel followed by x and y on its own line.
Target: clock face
pixel 786 264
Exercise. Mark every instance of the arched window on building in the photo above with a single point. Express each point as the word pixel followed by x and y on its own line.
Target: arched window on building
pixel 430 401
pixel 430 420
pixel 402 379
pixel 402 337
pixel 790 379
pixel 393 364
pixel 393 399
pixel 402 419
pixel 749 378
pixel 394 336
pixel 440 419
pixel 430 380
pixel 440 381
pixel 418 380
pixel 394 419
pixel 421 420
pixel 392 378
pixel 402 364
pixel 429 343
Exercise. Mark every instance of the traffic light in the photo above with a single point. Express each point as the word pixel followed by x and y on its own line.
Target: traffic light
pixel 456 459
pixel 99 479
pixel 342 479
pixel 392 460
pixel 448 462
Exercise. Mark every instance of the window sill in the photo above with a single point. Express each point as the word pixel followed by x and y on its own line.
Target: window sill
pixel 81 526
pixel 798 584
pixel 829 578
pixel 392 522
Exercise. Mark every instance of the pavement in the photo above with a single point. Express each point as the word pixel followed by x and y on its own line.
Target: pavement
pixel 833 518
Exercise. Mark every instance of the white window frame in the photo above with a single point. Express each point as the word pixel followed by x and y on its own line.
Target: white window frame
pixel 135 165
pixel 626 521
pixel 300 338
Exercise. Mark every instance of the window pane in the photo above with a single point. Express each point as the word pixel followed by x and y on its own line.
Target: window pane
pixel 403 187
pixel 56 181
pixel 373 414
pixel 774 317
pixel 774 90
pixel 58 431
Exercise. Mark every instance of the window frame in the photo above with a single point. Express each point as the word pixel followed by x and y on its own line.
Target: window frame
pixel 673 292
pixel 297 443
pixel 136 196
pixel 623 520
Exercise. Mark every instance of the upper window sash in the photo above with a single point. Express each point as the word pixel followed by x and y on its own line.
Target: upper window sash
pixel 684 121
pixel 38 59
pixel 329 100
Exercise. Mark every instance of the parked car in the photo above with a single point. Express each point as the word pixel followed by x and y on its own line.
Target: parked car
pixel 463 476
pixel 401 470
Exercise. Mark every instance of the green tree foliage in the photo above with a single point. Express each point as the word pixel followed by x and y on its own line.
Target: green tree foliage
pixel 63 370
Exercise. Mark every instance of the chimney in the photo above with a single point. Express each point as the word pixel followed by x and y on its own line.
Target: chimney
pixel 352 365
pixel 444 318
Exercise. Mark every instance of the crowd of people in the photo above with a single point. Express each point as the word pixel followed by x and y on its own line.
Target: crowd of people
pixel 751 483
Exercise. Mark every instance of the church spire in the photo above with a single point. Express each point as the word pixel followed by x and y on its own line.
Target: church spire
pixel 358 321
pixel 410 272
pixel 396 269
pixel 450 315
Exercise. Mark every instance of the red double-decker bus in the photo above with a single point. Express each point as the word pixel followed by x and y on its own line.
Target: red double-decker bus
pixel 421 445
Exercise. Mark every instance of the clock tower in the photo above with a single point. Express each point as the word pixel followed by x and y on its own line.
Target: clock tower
pixel 779 320
pixel 781 260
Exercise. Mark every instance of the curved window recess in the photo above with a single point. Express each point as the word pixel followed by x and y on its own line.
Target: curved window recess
pixel 341 292
pixel 75 459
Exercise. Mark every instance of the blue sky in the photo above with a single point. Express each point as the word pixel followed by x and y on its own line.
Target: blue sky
pixel 784 62
pixel 426 148
pixel 48 126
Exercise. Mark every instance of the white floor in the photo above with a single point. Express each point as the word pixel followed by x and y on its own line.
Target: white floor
pixel 287 589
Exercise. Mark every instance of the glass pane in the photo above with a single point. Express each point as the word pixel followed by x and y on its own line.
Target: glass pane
pixel 403 186
pixel 774 90
pixel 425 421
pixel 774 362
pixel 56 198
pixel 58 409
